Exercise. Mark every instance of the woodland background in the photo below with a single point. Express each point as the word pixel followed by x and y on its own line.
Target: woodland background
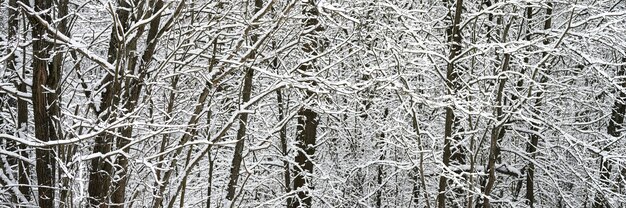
pixel 312 103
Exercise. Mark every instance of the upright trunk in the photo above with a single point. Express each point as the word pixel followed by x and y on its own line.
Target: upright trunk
pixel 210 178
pixel 497 131
pixel 99 176
pixel 57 65
pixel 380 167
pixel 283 139
pixel 307 118
pixel 133 89
pixel 22 104
pixel 420 168
pixel 306 136
pixel 614 130
pixel 166 137
pixel 45 81
pixel 379 181
pixel 212 62
pixel 241 133
pixel 284 145
pixel 534 138
pixel 453 34
pixel 243 121
pixel 520 84
pixel 12 23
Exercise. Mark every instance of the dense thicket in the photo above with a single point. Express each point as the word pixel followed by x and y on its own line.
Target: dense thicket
pixel 312 103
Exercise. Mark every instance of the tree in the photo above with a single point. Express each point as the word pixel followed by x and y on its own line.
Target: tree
pixel 312 103
pixel 307 118
pixel 453 36
pixel 246 90
pixel 45 103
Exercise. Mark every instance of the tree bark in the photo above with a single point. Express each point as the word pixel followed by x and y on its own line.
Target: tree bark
pixel 243 122
pixel 133 88
pixel 101 169
pixel 613 130
pixel 454 39
pixel 498 131
pixel 534 138
pixel 307 118
pixel 45 105
pixel 22 104
pixel 57 66
pixel 283 139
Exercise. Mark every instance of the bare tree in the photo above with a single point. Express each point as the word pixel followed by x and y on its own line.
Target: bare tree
pixel 243 120
pixel 308 119
pixel 45 103
pixel 453 34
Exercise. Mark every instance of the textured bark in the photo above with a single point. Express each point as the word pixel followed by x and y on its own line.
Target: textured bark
pixel 133 88
pixel 243 122
pixel 22 104
pixel 12 24
pixel 534 138
pixel 44 106
pixel 307 134
pixel 520 83
pixel 283 139
pixel 212 63
pixel 496 136
pixel 614 130
pixel 241 133
pixel 498 131
pixel 454 39
pixel 99 176
pixel 64 151
pixel 210 178
pixel 307 118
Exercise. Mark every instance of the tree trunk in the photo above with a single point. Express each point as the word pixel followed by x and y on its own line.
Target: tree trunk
pixel 45 106
pixel 307 118
pixel 99 176
pixel 283 139
pixel 243 122
pixel 614 130
pixel 307 134
pixel 451 122
pixel 534 138
pixel 498 131
pixel 210 178
pixel 22 104
pixel 527 37
pixel 57 65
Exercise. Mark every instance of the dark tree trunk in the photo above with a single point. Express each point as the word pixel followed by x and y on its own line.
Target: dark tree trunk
pixel 498 131
pixel 307 134
pixel 241 133
pixel 100 174
pixel 243 122
pixel 453 34
pixel 22 104
pixel 614 130
pixel 57 66
pixel 133 89
pixel 534 138
pixel 283 139
pixel 45 106
pixel 307 118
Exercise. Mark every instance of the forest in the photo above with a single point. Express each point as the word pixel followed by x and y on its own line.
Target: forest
pixel 313 103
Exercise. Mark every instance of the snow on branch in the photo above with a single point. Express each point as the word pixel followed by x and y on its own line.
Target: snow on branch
pixel 68 41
